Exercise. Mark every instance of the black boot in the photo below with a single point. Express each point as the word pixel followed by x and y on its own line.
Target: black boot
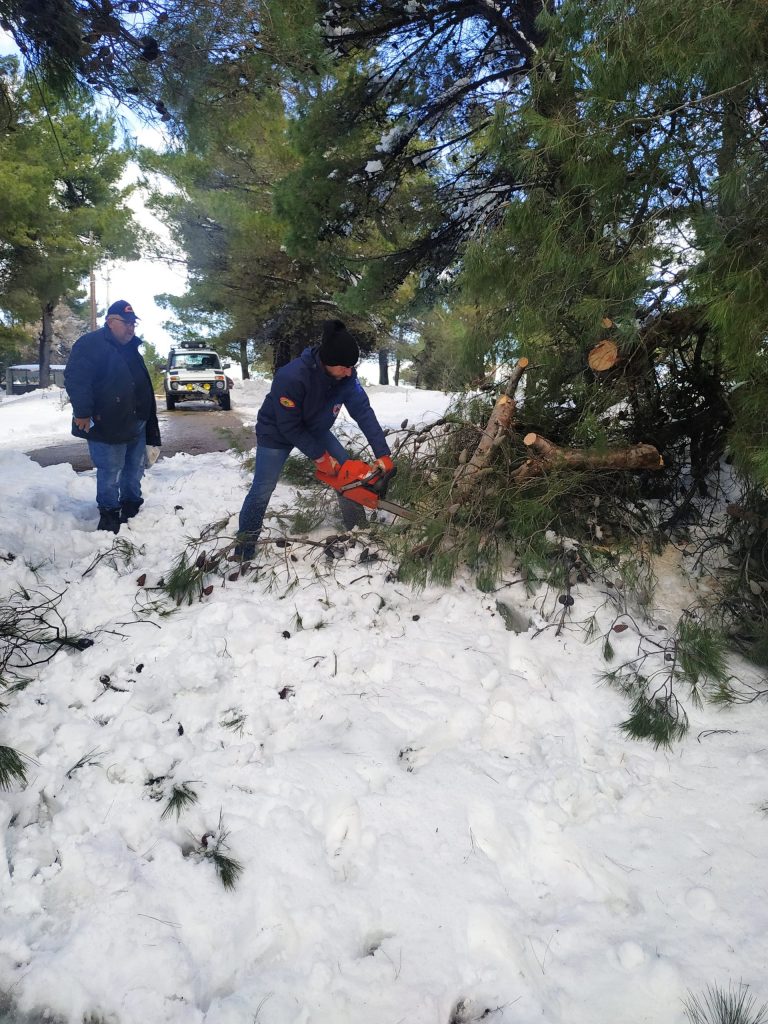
pixel 129 509
pixel 245 549
pixel 109 520
pixel 352 514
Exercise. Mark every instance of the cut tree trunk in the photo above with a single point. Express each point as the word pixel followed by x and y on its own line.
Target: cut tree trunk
pixel 548 456
pixel 604 356
pixel 496 431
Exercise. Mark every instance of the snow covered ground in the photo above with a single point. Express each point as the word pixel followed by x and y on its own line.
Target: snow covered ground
pixel 437 818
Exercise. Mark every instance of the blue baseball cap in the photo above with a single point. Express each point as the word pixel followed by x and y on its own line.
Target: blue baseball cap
pixel 123 309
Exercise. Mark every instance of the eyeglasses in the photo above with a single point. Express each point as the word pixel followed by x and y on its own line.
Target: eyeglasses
pixel 131 323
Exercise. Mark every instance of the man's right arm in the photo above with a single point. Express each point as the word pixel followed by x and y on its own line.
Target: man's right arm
pixel 78 380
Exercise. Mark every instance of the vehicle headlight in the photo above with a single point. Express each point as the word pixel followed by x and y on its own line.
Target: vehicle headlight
pixel 220 384
pixel 174 385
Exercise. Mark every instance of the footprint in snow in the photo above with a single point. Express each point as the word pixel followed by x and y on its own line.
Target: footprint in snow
pixel 701 904
pixel 438 738
pixel 343 833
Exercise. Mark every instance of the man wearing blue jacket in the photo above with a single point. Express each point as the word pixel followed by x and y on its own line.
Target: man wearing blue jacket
pixel 114 409
pixel 306 397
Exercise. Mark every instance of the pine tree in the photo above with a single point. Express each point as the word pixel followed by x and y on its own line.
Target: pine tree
pixel 61 207
pixel 243 284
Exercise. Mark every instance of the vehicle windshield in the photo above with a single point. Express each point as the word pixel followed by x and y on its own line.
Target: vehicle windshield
pixel 194 361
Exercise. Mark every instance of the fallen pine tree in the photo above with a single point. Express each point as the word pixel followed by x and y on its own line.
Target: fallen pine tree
pixel 545 455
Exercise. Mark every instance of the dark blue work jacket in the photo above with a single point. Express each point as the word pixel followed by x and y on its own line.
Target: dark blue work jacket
pixel 304 402
pixel 101 386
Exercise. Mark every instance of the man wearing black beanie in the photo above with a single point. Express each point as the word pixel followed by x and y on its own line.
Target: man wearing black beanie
pixel 338 347
pixel 306 396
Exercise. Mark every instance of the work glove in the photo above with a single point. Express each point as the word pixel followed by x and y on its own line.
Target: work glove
pixel 385 464
pixel 327 464
pixel 151 455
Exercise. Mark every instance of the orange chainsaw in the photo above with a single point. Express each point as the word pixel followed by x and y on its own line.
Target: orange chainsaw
pixel 364 484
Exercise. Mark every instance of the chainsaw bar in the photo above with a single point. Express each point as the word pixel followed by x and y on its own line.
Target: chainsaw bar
pixel 396 510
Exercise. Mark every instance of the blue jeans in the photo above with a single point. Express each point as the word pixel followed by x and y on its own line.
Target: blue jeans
pixel 119 469
pixel 269 466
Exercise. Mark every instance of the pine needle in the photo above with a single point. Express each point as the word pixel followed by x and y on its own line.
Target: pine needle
pixel 227 868
pixel 185 581
pixel 89 758
pixel 717 1006
pixel 213 847
pixel 661 721
pixel 12 768
pixel 181 797
pixel 235 720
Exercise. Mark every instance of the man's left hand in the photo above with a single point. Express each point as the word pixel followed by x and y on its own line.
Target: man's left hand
pixel 327 464
pixel 385 464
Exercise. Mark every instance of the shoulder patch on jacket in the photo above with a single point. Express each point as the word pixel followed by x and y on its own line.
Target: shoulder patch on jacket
pixel 287 402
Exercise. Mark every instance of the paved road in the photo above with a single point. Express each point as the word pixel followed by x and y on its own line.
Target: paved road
pixel 194 428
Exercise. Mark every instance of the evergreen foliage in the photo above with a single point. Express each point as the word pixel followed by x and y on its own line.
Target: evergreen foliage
pixel 234 719
pixel 186 580
pixel 213 847
pixel 501 520
pixel 611 189
pixel 693 655
pixel 13 768
pixel 90 757
pixel 299 471
pixel 507 179
pixel 245 291
pixel 658 717
pixel 720 1006
pixel 742 545
pixel 156 56
pixel 155 364
pixel 62 208
pixel 182 797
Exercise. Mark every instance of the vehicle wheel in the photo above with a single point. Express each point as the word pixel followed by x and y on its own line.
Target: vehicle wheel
pixel 170 401
pixel 225 402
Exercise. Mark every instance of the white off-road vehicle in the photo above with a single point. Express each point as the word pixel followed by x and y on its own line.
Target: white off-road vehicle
pixel 195 373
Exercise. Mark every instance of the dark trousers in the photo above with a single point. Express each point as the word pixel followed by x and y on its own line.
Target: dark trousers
pixel 266 473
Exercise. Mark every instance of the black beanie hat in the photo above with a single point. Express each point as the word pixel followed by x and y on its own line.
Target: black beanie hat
pixel 338 347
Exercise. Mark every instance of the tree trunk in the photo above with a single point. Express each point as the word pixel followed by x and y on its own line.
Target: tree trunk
pixel 383 366
pixel 397 371
pixel 44 348
pixel 281 353
pixel 244 359
pixel 549 456
pixel 496 432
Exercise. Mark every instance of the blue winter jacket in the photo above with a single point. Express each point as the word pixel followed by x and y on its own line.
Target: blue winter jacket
pixel 304 402
pixel 100 385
